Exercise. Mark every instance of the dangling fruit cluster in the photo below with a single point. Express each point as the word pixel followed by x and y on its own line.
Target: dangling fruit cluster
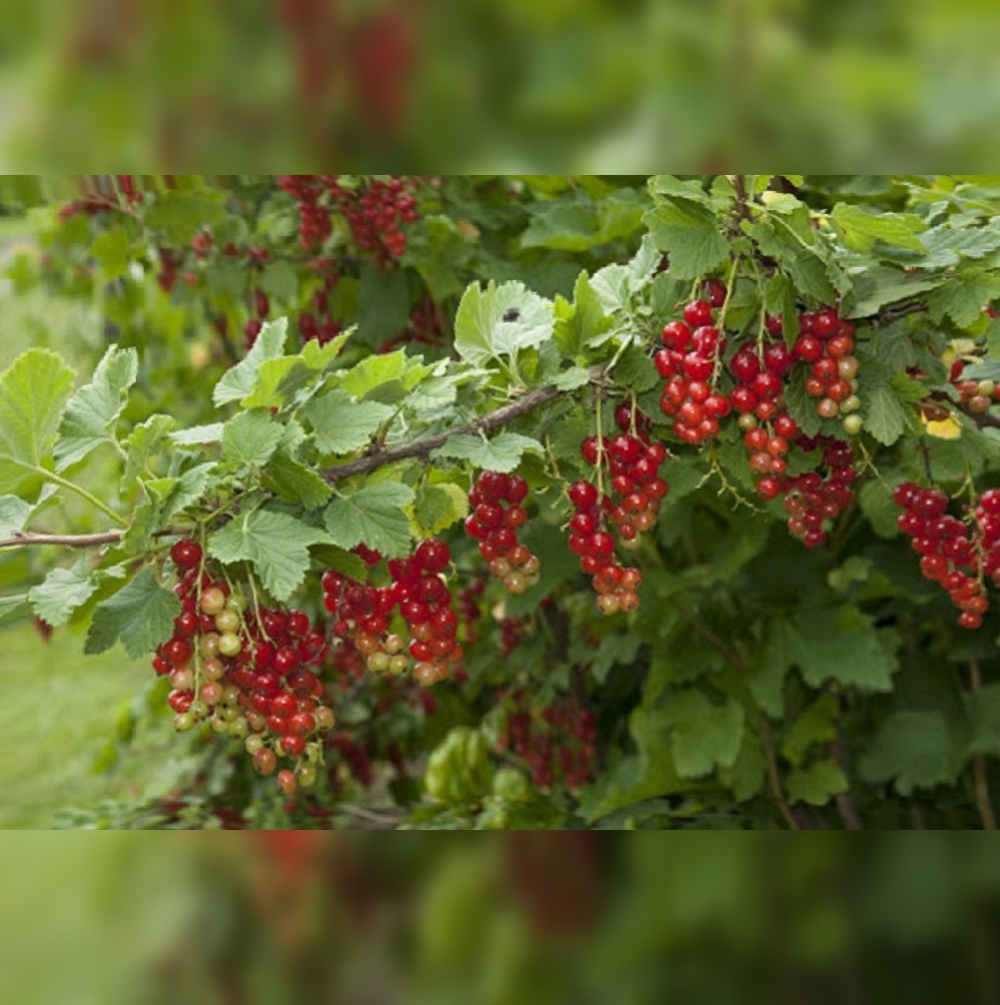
pixel 361 615
pixel 975 396
pixel 496 516
pixel 632 463
pixel 826 342
pixel 558 744
pixel 251 676
pixel 947 553
pixel 374 209
pixel 426 605
pixel 812 501
pixel 688 364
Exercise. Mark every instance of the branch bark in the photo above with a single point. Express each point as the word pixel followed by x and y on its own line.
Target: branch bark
pixel 421 447
pixel 424 446
pixel 26 539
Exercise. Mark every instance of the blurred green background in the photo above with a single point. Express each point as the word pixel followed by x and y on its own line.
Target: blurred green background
pixel 591 86
pixel 527 919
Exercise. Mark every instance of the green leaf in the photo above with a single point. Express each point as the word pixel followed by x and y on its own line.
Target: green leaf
pixel 885 418
pixel 280 281
pixel 238 382
pixel 188 490
pixel 619 648
pixel 439 506
pixel 843 645
pixel 803 263
pixel 389 376
pixel 342 425
pixel 12 605
pixel 984 720
pixel 62 592
pixel 34 391
pixel 141 444
pixel 860 229
pixel 636 371
pixel 110 251
pixel 282 381
pixel 198 436
pixel 296 483
pixel 180 215
pixel 963 297
pixel 816 784
pixel 14 513
pixel 578 325
pixel 383 304
pixel 250 438
pixel 873 289
pixel 276 543
pixel 815 724
pixel 375 516
pixel 500 321
pixel 141 616
pixel 947 244
pixel 569 224
pixel 914 750
pixel 503 453
pixel 95 408
pixel 703 735
pixel 689 234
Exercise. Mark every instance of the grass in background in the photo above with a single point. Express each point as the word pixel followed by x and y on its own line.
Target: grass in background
pixel 58 710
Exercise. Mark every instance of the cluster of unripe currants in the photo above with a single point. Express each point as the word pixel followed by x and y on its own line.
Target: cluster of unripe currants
pixel 496 516
pixel 250 675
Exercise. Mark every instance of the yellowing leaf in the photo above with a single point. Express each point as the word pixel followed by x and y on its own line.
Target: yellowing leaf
pixel 944 429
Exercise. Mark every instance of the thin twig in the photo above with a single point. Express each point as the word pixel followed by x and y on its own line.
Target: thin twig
pixel 24 540
pixel 424 446
pixel 979 771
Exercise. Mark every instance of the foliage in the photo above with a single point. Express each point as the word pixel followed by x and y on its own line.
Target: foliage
pixel 306 377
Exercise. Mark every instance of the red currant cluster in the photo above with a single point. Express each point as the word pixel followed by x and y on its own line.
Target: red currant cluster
pixel 317 323
pixel 632 463
pixel 425 328
pixel 497 514
pixel 688 364
pixel 559 744
pixel 827 342
pixel 252 677
pixel 373 208
pixel 812 499
pixel 468 609
pixel 947 554
pixel 768 448
pixel 425 603
pixel 361 615
pixel 512 631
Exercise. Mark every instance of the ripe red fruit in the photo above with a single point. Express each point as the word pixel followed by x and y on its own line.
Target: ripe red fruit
pixel 698 313
pixel 187 554
pixel 433 555
pixel 677 335
pixel 583 495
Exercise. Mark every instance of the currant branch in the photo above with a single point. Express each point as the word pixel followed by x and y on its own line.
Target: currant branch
pixel 425 445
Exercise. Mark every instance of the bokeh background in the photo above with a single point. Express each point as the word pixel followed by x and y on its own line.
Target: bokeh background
pixel 522 85
pixel 521 919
